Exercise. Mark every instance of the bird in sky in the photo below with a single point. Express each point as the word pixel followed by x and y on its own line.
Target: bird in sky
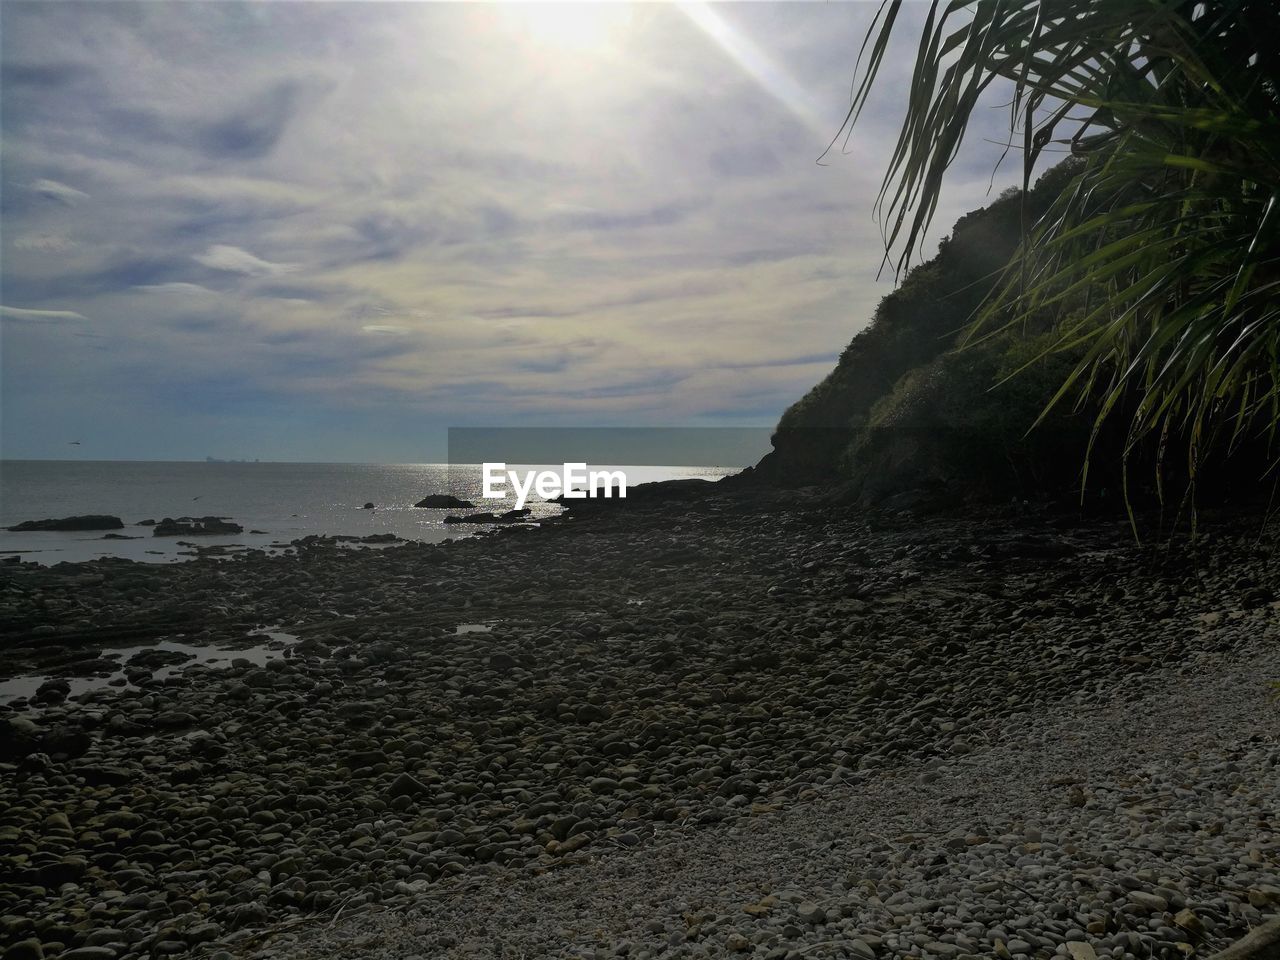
pixel 73 443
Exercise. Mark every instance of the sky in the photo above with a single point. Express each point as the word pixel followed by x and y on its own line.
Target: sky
pixel 330 231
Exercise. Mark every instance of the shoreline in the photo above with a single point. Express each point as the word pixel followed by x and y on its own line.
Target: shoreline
pixel 274 504
pixel 668 664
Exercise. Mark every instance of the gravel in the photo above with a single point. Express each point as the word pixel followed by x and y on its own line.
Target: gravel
pixel 740 727
pixel 1137 823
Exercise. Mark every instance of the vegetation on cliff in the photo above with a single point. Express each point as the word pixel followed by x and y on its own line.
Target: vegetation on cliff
pixel 904 409
pixel 1146 280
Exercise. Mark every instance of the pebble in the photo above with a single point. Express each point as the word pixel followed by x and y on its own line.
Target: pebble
pixel 392 756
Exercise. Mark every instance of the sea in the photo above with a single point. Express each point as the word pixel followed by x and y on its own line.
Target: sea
pixel 274 502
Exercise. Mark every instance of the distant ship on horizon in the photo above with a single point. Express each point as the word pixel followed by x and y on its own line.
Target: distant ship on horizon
pixel 217 460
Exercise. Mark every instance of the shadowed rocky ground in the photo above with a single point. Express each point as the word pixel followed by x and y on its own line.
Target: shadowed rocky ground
pixel 645 667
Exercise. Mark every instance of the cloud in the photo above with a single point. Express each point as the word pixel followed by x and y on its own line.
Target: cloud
pixel 801 361
pixel 59 192
pixel 44 243
pixel 254 128
pixel 294 293
pixel 178 287
pixel 746 160
pixel 22 315
pixel 122 270
pixel 231 259
pixel 354 219
pixel 42 74
pixel 662 215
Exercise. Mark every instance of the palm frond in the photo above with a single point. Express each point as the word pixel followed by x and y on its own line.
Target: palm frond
pixel 1161 257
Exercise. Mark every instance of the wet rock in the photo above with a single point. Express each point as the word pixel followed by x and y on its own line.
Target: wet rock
pixel 156 657
pixel 443 501
pixel 66 870
pixel 67 741
pixel 406 785
pixel 97 775
pixel 87 522
pixel 193 527
pixel 52 691
pixel 18 738
pixel 90 953
pixel 29 949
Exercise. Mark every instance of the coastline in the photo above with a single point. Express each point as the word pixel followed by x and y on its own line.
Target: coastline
pixel 275 504
pixel 649 671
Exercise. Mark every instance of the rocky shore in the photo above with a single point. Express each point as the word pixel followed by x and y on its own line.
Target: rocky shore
pixel 537 709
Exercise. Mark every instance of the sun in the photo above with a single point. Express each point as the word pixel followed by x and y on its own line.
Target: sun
pixel 570 27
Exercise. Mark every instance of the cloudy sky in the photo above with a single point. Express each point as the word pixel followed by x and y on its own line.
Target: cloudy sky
pixel 324 231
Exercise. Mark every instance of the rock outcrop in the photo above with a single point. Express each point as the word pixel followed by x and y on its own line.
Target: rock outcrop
pixel 94 521
pixel 914 413
pixel 195 527
pixel 443 501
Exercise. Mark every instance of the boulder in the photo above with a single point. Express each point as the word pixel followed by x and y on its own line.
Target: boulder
pixel 407 785
pixel 99 775
pixel 67 740
pixel 93 521
pixel 19 737
pixel 52 691
pixel 193 527
pixel 443 501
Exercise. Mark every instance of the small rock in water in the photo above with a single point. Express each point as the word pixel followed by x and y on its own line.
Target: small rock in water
pixel 443 501
pixel 86 522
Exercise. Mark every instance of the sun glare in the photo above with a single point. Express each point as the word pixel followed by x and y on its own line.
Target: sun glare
pixel 573 27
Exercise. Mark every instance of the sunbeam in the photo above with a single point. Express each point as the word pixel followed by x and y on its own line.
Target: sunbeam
pixel 771 76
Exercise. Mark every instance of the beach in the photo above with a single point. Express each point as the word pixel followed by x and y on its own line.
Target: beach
pixel 505 481
pixel 415 729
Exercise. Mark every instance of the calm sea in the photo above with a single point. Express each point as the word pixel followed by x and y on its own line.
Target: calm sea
pixel 283 500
